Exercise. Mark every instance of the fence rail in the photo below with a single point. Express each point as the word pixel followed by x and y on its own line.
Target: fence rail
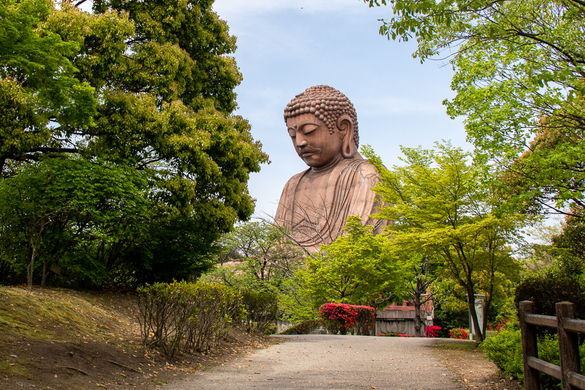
pixel 567 329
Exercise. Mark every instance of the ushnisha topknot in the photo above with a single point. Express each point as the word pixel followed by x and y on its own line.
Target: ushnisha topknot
pixel 327 104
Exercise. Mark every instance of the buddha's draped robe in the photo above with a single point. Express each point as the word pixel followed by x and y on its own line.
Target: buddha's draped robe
pixel 315 206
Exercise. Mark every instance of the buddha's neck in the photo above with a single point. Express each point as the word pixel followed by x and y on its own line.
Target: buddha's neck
pixel 327 167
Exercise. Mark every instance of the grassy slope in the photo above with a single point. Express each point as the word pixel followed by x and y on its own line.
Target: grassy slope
pixel 67 339
pixel 64 315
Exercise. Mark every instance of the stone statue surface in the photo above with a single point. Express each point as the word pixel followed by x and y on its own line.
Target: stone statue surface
pixel 315 203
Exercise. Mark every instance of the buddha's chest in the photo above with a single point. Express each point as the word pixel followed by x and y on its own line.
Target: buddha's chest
pixel 315 191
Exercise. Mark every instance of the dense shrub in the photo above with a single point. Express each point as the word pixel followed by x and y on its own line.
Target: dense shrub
pixel 338 317
pixel 303 327
pixel 546 289
pixel 505 350
pixel 186 317
pixel 261 309
pixel 458 333
pixel 365 322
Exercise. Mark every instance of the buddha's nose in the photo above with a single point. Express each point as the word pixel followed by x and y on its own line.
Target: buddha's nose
pixel 301 140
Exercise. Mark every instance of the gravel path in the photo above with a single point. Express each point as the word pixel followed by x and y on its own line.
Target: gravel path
pixel 331 362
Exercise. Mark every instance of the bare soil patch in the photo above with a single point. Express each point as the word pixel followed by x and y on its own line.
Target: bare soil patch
pixel 472 368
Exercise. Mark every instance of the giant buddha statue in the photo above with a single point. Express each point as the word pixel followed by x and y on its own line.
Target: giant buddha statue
pixel 314 205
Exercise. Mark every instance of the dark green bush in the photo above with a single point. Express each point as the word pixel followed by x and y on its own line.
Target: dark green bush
pixel 261 309
pixel 303 327
pixel 546 289
pixel 186 317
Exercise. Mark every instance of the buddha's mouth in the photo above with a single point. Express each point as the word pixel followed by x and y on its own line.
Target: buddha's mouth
pixel 308 152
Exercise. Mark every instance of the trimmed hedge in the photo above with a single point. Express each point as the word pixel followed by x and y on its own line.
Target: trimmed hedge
pixel 303 327
pixel 261 310
pixel 186 317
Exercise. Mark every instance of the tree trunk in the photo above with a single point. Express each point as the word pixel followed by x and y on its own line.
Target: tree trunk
pixel 31 265
pixel 417 319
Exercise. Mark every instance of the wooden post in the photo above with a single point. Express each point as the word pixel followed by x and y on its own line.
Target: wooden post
pixel 529 347
pixel 568 347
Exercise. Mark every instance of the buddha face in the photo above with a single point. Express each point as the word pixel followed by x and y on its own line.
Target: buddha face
pixel 313 142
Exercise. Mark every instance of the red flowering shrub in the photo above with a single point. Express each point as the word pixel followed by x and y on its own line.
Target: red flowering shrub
pixel 458 333
pixel 338 317
pixel 432 331
pixel 365 321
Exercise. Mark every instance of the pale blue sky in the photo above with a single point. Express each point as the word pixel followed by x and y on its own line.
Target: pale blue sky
pixel 287 46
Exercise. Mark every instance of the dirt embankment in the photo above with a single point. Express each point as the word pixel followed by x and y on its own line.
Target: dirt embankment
pixel 65 339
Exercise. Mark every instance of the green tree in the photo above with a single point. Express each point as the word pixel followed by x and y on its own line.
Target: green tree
pixel 145 86
pixel 49 206
pixel 520 83
pixel 440 206
pixel 37 83
pixel 264 258
pixel 357 269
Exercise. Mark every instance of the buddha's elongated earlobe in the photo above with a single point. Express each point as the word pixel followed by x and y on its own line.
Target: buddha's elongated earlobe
pixel 346 129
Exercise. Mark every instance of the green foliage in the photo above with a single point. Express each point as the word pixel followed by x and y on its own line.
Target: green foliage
pixel 38 87
pixel 185 317
pixel 258 256
pixel 518 82
pixel 546 289
pixel 505 350
pixel 146 89
pixel 50 206
pixel 303 327
pixel 261 309
pixel 441 209
pixel 356 269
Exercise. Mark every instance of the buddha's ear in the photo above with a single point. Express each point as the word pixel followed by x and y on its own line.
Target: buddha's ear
pixel 346 130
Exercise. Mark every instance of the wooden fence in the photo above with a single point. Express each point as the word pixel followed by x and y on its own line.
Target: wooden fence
pixel 567 329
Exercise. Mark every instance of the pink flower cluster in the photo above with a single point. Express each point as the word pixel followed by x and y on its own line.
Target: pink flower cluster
pixel 502 325
pixel 432 331
pixel 458 333
pixel 339 312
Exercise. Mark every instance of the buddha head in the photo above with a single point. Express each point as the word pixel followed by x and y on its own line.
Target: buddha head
pixel 322 124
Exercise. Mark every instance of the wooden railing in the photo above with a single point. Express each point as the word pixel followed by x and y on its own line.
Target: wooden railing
pixel 567 329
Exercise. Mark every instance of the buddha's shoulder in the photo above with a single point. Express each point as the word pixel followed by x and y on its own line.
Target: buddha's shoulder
pixel 359 166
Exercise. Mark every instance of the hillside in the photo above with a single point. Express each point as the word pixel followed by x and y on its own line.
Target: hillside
pixel 67 339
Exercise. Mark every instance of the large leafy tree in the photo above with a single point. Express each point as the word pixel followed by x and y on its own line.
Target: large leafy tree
pixel 357 268
pixel 48 208
pixel 147 86
pixel 520 83
pixel 37 83
pixel 441 208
